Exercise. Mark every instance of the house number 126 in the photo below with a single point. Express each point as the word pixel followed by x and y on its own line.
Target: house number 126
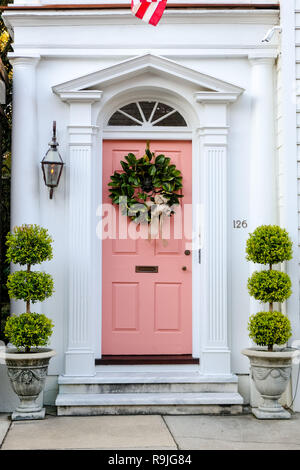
pixel 240 224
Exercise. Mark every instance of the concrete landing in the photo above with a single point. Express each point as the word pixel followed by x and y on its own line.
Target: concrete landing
pixel 105 432
pixel 152 432
pixel 4 426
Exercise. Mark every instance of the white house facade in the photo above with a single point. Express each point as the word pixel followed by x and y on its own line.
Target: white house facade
pixel 205 89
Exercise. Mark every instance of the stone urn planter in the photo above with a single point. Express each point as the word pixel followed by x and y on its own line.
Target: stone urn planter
pixel 27 373
pixel 28 332
pixel 270 245
pixel 271 373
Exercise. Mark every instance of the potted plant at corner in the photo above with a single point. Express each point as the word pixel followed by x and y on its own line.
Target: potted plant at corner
pixel 29 332
pixel 270 365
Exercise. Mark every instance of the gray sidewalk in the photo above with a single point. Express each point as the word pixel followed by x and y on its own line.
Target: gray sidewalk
pixel 151 432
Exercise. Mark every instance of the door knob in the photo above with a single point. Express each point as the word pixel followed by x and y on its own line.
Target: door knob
pixel 184 268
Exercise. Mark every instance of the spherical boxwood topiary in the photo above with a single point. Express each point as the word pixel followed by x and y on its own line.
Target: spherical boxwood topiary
pixel 31 286
pixel 269 328
pixel 28 330
pixel 28 245
pixel 269 244
pixel 269 286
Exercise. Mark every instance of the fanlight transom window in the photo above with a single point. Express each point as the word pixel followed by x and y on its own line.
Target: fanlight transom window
pixel 147 114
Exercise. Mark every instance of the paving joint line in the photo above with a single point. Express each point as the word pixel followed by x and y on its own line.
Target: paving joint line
pixel 7 431
pixel 168 428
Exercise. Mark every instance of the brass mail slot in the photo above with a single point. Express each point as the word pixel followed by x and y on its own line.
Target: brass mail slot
pixel 146 269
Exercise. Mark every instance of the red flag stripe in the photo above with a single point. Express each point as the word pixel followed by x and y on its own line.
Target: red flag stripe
pixel 149 11
pixel 158 13
pixel 142 10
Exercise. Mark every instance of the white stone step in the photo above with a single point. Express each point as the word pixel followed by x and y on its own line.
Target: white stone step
pixel 146 383
pixel 148 403
pixel 147 377
pixel 107 399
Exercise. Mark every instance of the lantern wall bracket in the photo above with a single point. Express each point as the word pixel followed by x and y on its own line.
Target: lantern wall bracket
pixel 52 164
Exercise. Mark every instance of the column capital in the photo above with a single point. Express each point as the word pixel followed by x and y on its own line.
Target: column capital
pixel 80 96
pixel 80 105
pixel 82 135
pixel 213 135
pixel 24 60
pixel 257 58
pixel 216 97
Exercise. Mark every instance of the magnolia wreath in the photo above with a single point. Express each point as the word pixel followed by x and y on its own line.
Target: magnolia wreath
pixel 148 188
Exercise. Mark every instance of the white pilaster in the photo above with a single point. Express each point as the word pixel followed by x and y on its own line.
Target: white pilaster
pixel 215 356
pixel 25 159
pixel 80 360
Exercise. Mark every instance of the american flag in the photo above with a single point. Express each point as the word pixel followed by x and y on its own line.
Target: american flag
pixel 149 11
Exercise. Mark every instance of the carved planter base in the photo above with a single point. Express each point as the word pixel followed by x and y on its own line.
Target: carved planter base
pixel 27 373
pixel 271 372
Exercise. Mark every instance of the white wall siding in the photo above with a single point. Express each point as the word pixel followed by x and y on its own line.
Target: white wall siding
pixel 297 86
pixel 289 157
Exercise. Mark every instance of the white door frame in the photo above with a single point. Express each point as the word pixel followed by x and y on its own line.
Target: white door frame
pixel 207 115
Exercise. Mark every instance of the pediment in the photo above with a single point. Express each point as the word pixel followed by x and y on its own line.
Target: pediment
pixel 148 63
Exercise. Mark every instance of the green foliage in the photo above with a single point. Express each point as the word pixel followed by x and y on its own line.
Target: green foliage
pixel 5 166
pixel 269 244
pixel 269 286
pixel 153 176
pixel 269 328
pixel 28 330
pixel 4 314
pixel 28 245
pixel 33 285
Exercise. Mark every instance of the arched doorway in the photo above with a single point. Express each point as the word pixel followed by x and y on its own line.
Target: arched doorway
pixel 147 281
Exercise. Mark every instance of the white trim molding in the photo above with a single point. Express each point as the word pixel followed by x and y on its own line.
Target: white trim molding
pixel 213 136
pixel 79 357
pixel 145 63
pixel 206 112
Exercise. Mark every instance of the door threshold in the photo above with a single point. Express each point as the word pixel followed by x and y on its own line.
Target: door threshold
pixel 146 359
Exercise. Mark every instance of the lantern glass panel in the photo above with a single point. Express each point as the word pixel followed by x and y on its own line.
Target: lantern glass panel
pixel 52 173
pixel 53 156
pixel 52 167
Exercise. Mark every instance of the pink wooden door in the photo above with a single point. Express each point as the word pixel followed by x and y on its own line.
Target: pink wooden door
pixel 147 313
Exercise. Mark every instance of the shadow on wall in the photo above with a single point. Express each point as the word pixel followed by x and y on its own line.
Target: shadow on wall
pixel 8 399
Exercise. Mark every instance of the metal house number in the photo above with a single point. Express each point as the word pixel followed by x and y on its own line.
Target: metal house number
pixel 240 224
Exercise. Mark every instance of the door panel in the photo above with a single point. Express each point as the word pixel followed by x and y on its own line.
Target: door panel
pixel 147 313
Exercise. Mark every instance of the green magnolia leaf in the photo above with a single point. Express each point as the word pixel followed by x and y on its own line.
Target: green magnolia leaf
pixel 124 165
pixel 160 160
pixel 131 159
pixel 152 170
pixel 149 154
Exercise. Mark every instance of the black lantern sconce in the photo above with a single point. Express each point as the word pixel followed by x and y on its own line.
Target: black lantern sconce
pixel 52 164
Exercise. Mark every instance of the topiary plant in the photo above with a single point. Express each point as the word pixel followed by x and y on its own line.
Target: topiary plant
pixel 29 245
pixel 269 328
pixel 269 245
